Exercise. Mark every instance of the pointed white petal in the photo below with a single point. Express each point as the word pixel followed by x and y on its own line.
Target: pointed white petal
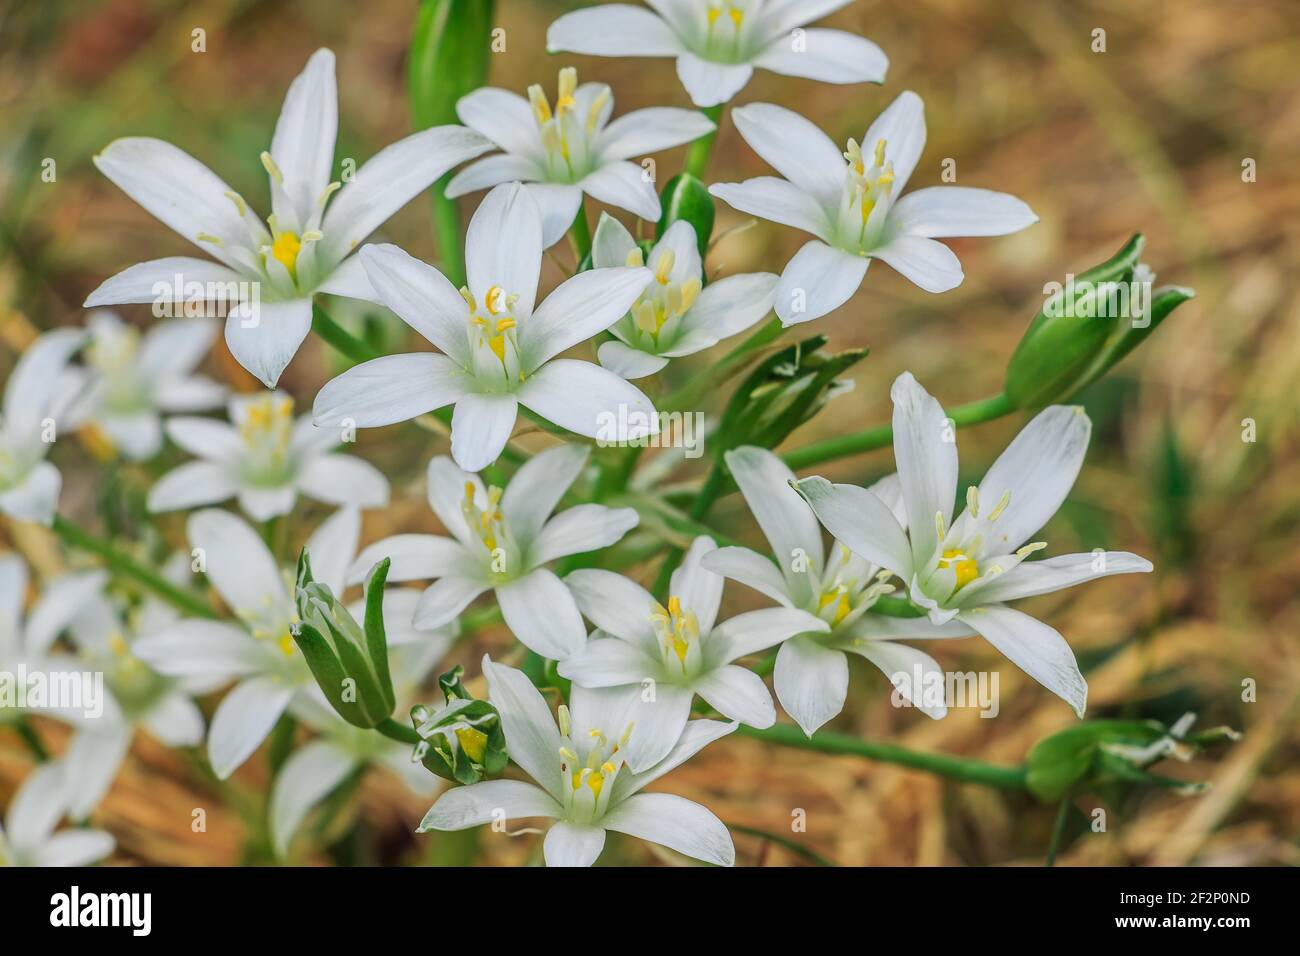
pixel 90 765
pixel 860 520
pixel 243 720
pixel 616 604
pixel 503 117
pixel 304 780
pixel 812 682
pixel 697 735
pixel 462 807
pixel 415 557
pixel 729 306
pixel 1031 578
pixel 541 612
pixel 557 204
pixel 303 144
pixel 902 127
pixel 580 529
pixel 942 211
pixel 589 400
pixel 344 480
pixel 927 264
pixel 572 844
pixel 445 598
pixel 1036 648
pixel 739 694
pixel 925 449
pixel 775 200
pixel 915 674
pixel 238 563
pixel 198 648
pixel 422 298
pixel 394 388
pixel 647 131
pixel 480 427
pixel 708 83
pixel 749 568
pixel 676 823
pixel 627 362
pixel 503 246
pixel 531 735
pixel 817 281
pixel 75 848
pixel 788 523
pixel 493 171
pixel 175 720
pixel 159 278
pixel 626 185
pixel 756 631
pixel 192 484
pixel 581 307
pixel 659 713
pixel 699 589
pixel 828 56
pixel 268 345
pixel 794 147
pixel 613 29
pixel 537 487
pixel 609 662
pixel 36 498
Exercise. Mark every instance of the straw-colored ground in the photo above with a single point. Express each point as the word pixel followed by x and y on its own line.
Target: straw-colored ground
pixel 1149 136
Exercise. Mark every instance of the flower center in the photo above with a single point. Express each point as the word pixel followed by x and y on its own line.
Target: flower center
pixel 566 136
pixel 966 568
pixel 724 38
pixel 267 430
pixel 590 767
pixel 868 193
pixel 848 588
pixel 494 337
pixel 113 356
pixel 664 302
pixel 272 623
pixel 678 630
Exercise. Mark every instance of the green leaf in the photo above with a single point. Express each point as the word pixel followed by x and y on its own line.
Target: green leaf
pixel 328 671
pixel 376 637
pixel 687 199
pixel 450 50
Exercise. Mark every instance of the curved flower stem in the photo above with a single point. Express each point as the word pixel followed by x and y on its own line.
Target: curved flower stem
pixel 339 338
pixel 697 159
pixel 122 564
pixel 972 413
pixel 580 235
pixel 399 732
pixel 794 846
pixel 965 769
pixel 1058 830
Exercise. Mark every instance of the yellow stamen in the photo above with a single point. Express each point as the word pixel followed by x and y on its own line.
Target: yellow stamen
pixel 473 742
pixel 664 265
pixel 967 569
pixel 285 250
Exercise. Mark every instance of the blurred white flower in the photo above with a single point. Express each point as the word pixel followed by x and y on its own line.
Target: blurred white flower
pixel 853 209
pixel 561 154
pixel 496 351
pixel 659 658
pixel 264 458
pixel 28 837
pixel 582 781
pixel 965 570
pixel 129 381
pixel 718 43
pixel 37 398
pixel 676 315
pixel 502 541
pixel 303 247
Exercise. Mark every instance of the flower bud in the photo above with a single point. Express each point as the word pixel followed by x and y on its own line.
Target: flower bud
pixel 463 741
pixel 687 199
pixel 349 662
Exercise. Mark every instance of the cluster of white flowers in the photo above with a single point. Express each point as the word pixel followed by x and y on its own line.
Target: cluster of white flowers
pixel 649 662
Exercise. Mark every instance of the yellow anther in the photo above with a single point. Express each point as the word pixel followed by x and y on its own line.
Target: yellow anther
pixel 469 493
pixel 664 265
pixel 675 606
pixel 497 344
pixel 967 570
pixel 634 259
pixel 608 768
pixel 285 250
pixel 567 753
pixel 597 107
pixel 209 237
pixel 737 16
pixel 541 108
pixel 494 300
pixel 1030 548
pixel 473 742
pixel 327 192
pixel 713 14
pixel 566 86
pixel 504 325
pixel 272 169
pixel 973 501
pixel 313 235
pixel 286 644
pixel 880 152
pixel 854 156
pixel 117 644
pixel 469 298
pixel 1002 504
pixel 238 200
pixel 690 292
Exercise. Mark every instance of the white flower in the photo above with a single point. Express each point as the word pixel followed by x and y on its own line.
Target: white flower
pixel 502 541
pixel 314 770
pixel 28 837
pixel 261 654
pixel 853 209
pixel 131 380
pixel 718 43
pixel 570 151
pixel 967 569
pixel 676 315
pixel 36 398
pixel 264 458
pixel 659 658
pixel 303 248
pixel 812 672
pixel 584 784
pixel 497 351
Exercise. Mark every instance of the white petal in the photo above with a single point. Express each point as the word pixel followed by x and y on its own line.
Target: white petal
pixel 626 185
pixel 708 83
pixel 756 631
pixel 782 16
pixel 206 437
pixel 505 118
pixel 676 823
pixel 1037 470
pixel 729 306
pixel 198 648
pixel 503 246
pixel 817 281
pixel 882 627
pixel 175 347
pixel 91 763
pixel 59 603
pixel 609 662
pixel 480 427
pixel 392 178
pixel 794 147
pixel 828 56
pixel 394 388
pixel 697 735
pixel 494 170
pixel 627 362
pixel 422 298
pixel 699 589
pixel 349 279
pixel 930 265
pixel 942 211
pixel 198 393
pixel 749 568
pixel 581 307
pixel 263 504
pixel 531 735
pixel 589 400
pixel 658 721
pixel 811 680
pixel 75 848
pixel 266 344
pixel 304 780
pixel 194 483
pixel 243 720
pixel 239 565
pixel 572 844
pixel 175 720
pixel 332 546
pixel 344 480
pixel 613 29
pixel 1036 648
pixel 580 529
pixel 777 201
pixel 415 557
pixel 788 523
pixel 446 492
pixel 37 805
pixel 611 244
pixel 925 448
pixel 902 127
pixel 617 605
pixel 463 807
pixel 915 674
pixel 739 694
pixel 541 612
pixel 303 144
pixel 445 598
pixel 642 132
pixel 148 281
pixel 37 497
pixel 557 204
pixel 860 520
pixel 1031 578
pixel 537 488
pixel 37 382
pixel 176 189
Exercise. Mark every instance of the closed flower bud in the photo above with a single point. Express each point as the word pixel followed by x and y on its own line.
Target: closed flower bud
pixel 463 741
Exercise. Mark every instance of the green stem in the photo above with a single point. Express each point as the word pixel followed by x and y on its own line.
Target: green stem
pixel 339 338
pixel 399 732
pixel 964 769
pixel 446 226
pixel 31 739
pixel 1058 830
pixel 697 159
pixel 972 413
pixel 794 846
pixel 120 563
pixel 580 235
